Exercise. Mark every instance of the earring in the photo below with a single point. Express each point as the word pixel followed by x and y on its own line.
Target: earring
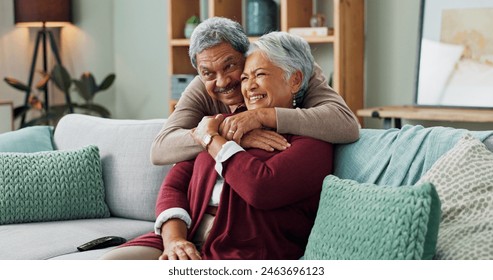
pixel 294 101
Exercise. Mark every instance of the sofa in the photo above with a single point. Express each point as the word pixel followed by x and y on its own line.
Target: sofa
pixel 130 184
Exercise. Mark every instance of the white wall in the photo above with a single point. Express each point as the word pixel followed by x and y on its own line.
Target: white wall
pixel 391 51
pixel 15 53
pixel 88 45
pixel 129 37
pixel 141 59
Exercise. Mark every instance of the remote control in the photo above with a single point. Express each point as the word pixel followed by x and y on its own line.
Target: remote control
pixel 101 243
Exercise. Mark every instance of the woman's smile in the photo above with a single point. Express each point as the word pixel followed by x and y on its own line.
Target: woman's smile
pixel 254 98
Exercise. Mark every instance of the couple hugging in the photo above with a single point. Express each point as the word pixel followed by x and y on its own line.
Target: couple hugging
pixel 252 137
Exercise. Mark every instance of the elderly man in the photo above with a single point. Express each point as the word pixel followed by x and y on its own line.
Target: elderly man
pixel 217 51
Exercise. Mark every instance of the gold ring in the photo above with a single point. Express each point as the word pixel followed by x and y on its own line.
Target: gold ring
pixel 231 131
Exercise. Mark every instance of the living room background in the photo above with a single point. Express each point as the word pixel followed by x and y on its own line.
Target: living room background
pixel 128 38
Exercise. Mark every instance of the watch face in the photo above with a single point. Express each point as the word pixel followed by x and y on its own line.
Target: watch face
pixel 206 139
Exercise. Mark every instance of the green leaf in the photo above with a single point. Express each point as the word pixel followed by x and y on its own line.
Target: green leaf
pixel 98 109
pixel 88 79
pixel 59 110
pixel 61 77
pixel 193 19
pixel 107 82
pixel 21 110
pixel 16 84
pixel 82 89
pixel 41 85
pixel 43 120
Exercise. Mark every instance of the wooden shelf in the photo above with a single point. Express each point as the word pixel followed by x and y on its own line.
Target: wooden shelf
pixel 180 42
pixel 346 40
pixel 389 113
pixel 320 39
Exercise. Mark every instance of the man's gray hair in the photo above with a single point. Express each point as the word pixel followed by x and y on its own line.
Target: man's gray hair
pixel 288 52
pixel 214 31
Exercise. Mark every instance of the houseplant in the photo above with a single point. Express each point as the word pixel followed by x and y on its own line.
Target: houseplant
pixel 86 87
pixel 190 25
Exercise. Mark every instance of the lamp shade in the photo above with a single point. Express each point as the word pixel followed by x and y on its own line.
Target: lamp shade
pixel 35 12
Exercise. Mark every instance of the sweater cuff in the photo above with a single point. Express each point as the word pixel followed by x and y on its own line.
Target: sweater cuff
pixel 229 149
pixel 284 120
pixel 171 213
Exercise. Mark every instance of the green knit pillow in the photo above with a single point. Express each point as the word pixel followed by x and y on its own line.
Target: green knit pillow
pixel 52 185
pixel 365 221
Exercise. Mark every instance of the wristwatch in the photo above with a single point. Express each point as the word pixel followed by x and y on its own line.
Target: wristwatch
pixel 207 140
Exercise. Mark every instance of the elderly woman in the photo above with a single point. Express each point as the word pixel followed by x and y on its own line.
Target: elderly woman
pixel 232 203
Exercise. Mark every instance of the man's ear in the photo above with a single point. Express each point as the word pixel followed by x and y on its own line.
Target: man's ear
pixel 295 81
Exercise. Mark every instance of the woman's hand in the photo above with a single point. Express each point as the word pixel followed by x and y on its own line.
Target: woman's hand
pixel 180 249
pixel 176 246
pixel 264 139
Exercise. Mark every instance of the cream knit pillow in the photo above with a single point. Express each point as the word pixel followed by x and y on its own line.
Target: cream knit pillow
pixel 463 178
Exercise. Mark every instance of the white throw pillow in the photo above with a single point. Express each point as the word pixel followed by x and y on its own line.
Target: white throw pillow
pixel 463 178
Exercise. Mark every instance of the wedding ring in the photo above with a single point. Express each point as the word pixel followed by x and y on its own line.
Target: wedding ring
pixel 231 131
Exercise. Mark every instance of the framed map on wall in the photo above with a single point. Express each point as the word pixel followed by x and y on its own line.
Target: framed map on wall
pixel 455 65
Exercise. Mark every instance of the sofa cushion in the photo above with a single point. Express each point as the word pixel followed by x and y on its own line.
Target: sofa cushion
pixel 131 181
pixel 464 181
pixel 27 140
pixel 35 241
pixel 366 221
pixel 52 185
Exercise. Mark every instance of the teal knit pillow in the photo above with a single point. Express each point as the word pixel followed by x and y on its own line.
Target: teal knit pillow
pixel 365 221
pixel 52 185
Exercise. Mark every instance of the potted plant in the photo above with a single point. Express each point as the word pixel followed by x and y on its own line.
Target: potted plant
pixel 49 114
pixel 43 112
pixel 190 25
pixel 86 87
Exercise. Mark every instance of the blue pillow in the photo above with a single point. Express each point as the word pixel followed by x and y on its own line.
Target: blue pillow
pixel 27 140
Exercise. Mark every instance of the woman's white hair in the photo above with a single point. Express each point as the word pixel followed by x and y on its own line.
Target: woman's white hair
pixel 289 52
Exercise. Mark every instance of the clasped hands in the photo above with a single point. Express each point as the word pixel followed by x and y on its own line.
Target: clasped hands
pixel 243 128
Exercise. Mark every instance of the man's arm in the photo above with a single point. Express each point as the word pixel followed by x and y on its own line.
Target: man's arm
pixel 324 115
pixel 174 142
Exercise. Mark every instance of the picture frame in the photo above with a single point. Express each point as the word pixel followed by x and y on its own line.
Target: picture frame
pixel 455 54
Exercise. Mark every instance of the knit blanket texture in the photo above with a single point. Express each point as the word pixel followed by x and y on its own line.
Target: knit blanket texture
pixel 396 157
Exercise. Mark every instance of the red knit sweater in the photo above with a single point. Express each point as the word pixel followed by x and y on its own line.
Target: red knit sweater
pixel 268 203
